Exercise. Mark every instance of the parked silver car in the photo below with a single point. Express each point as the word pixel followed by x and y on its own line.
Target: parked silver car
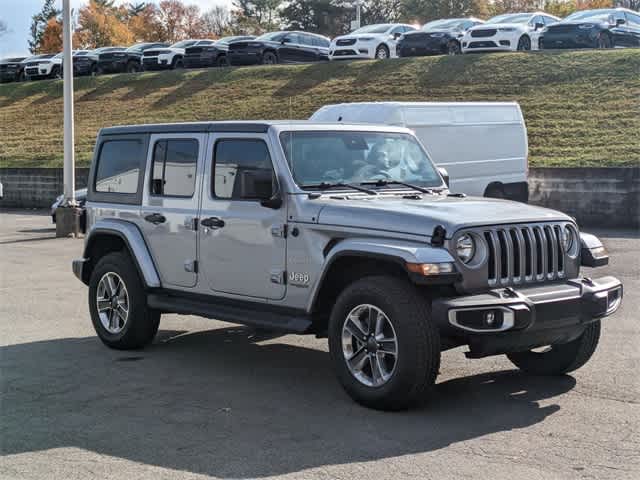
pixel 344 231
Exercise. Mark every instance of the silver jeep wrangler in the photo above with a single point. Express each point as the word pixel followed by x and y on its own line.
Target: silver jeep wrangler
pixel 343 231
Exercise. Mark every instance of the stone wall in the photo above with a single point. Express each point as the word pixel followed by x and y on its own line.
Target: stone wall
pixel 607 197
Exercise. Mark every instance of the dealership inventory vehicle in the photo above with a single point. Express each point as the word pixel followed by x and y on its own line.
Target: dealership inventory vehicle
pixel 43 66
pixel 600 28
pixel 436 38
pixel 127 60
pixel 170 57
pixel 279 47
pixel 507 32
pixel 213 55
pixel 482 145
pixel 85 62
pixel 12 69
pixel 373 41
pixel 314 228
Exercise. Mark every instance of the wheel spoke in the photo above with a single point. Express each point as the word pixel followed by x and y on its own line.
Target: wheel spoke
pixel 354 328
pixel 103 304
pixel 376 370
pixel 111 286
pixel 387 346
pixel 122 313
pixel 358 359
pixel 372 320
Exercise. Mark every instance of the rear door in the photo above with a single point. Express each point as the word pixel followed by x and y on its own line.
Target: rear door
pixel 633 29
pixel 170 204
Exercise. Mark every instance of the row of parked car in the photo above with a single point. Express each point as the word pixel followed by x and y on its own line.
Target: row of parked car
pixel 599 28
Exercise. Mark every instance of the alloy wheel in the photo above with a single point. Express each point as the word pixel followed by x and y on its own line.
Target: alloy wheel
pixel 381 53
pixel 112 301
pixel 369 345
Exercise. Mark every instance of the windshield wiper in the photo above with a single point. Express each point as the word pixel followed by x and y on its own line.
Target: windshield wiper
pixel 328 185
pixel 384 183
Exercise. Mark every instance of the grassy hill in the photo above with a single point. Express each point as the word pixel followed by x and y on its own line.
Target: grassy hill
pixel 581 108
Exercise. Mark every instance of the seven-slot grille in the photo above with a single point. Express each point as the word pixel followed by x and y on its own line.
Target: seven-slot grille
pixel 524 254
pixel 483 33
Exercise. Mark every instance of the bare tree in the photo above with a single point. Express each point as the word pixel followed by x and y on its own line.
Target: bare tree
pixel 217 20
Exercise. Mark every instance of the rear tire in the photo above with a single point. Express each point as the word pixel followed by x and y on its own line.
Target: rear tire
pixel 222 61
pixel 403 379
pixel 130 324
pixel 562 358
pixel 495 191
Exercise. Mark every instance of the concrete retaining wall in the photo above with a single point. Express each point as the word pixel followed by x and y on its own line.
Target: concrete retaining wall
pixel 35 187
pixel 595 196
pixel 598 197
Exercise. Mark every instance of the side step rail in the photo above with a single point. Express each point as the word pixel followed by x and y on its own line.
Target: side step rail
pixel 256 315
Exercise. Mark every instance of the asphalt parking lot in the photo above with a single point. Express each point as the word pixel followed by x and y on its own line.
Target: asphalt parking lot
pixel 209 399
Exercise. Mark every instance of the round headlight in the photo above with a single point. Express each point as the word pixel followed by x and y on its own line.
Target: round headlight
pixel 568 239
pixel 465 248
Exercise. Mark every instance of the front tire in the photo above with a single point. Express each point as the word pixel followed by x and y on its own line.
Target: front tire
pixel 524 44
pixel 562 358
pixel 382 52
pixel 269 58
pixel 603 41
pixel 118 304
pixel 132 67
pixel 178 64
pixel 383 345
pixel 453 48
pixel 222 61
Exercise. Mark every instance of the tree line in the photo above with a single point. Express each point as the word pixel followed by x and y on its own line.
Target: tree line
pixel 102 23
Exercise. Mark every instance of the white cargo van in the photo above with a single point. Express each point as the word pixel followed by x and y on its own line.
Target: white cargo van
pixel 482 145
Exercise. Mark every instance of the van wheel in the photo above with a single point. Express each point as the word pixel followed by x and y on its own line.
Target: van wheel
pixel 382 52
pixel 118 304
pixel 495 191
pixel 524 44
pixel 562 358
pixel 383 345
pixel 269 58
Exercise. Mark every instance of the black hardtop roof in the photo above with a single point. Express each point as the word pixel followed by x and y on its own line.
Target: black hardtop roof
pixel 198 127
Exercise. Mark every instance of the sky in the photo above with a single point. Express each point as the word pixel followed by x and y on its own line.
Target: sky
pixel 17 14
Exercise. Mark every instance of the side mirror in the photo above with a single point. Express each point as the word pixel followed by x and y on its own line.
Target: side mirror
pixel 285 40
pixel 397 35
pixel 620 21
pixel 539 26
pixel 274 202
pixel 444 174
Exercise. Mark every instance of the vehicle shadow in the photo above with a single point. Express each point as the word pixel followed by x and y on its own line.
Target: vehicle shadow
pixel 230 403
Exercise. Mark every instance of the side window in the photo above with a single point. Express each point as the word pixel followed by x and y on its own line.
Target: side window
pixel 173 171
pixel 294 38
pixel 118 167
pixel 633 20
pixel 242 170
pixel 399 29
pixel 549 20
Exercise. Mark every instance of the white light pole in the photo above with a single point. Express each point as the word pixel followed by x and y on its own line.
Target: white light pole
pixel 67 68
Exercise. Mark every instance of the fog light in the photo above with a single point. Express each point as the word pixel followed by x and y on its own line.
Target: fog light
pixel 614 297
pixel 489 319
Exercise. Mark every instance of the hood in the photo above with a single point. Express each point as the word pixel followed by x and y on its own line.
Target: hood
pixel 496 26
pixel 360 35
pixel 420 217
pixel 575 23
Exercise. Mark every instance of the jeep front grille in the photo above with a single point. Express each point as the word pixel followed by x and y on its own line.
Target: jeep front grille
pixel 524 254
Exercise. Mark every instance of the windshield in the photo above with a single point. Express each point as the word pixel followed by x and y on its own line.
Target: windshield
pixel 273 36
pixel 315 157
pixel 373 29
pixel 183 44
pixel 455 24
pixel 138 47
pixel 602 15
pixel 511 18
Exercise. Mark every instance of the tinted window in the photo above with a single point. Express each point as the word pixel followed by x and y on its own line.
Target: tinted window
pixel 173 172
pixel 549 20
pixel 242 169
pixel 633 20
pixel 294 38
pixel 119 166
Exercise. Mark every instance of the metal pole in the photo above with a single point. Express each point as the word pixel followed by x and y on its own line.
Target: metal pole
pixel 67 67
pixel 358 6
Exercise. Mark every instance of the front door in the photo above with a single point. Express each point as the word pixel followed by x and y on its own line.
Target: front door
pixel 170 205
pixel 242 242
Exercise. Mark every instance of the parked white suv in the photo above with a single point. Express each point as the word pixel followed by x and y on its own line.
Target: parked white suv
pixel 508 32
pixel 373 41
pixel 169 57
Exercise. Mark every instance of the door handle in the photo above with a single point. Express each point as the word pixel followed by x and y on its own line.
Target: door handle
pixel 155 218
pixel 212 222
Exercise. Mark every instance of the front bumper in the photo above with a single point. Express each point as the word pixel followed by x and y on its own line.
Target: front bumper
pixel 246 57
pixel 510 320
pixel 431 46
pixel 161 62
pixel 500 42
pixel 567 40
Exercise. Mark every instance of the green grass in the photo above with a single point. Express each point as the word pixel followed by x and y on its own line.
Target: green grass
pixel 581 108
